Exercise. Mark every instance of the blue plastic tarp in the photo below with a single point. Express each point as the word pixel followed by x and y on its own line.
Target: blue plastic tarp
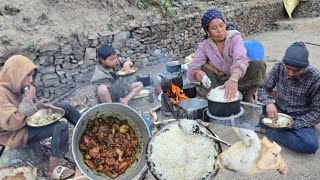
pixel 255 50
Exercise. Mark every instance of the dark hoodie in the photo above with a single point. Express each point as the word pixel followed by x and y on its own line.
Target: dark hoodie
pixel 13 131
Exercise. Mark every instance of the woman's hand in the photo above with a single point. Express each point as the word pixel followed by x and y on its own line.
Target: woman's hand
pixel 198 75
pixel 30 92
pixel 231 88
pixel 272 111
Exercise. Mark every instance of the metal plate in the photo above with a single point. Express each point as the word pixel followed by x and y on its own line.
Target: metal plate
pixel 271 125
pixel 124 73
pixel 40 118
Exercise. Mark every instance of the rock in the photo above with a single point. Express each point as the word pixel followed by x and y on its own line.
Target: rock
pixel 82 77
pixel 145 23
pixel 109 33
pixel 157 52
pixel 92 36
pixel 58 61
pixel 49 48
pixel 46 60
pixel 121 37
pixel 27 172
pixel 61 73
pixel 73 72
pixel 10 10
pixel 67 66
pixel 48 70
pixel 63 89
pixel 32 153
pixel 90 54
pixel 49 76
pixel 51 82
pixel 67 50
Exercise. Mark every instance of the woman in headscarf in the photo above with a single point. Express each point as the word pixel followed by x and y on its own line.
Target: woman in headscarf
pixel 221 60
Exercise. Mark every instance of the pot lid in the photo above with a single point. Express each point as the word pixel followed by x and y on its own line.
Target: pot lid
pixel 173 63
pixel 188 86
pixel 143 75
pixel 169 75
pixel 193 104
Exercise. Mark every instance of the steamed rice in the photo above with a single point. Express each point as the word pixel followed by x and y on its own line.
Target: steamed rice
pixel 217 95
pixel 178 155
pixel 282 121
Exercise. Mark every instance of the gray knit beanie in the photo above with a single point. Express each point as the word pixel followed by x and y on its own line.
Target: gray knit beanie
pixel 296 55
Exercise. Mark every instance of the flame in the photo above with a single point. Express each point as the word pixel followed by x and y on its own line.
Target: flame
pixel 177 94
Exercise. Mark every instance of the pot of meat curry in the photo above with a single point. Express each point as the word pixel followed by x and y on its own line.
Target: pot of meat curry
pixel 109 142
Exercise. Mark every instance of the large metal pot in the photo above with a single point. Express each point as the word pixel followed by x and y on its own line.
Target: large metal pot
pixel 192 108
pixel 223 109
pixel 137 169
pixel 173 66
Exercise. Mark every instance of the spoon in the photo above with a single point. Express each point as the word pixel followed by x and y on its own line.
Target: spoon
pixel 192 127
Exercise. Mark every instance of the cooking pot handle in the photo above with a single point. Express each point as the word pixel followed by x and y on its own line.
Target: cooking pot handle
pixel 165 121
pixel 204 113
pixel 160 75
pixel 142 173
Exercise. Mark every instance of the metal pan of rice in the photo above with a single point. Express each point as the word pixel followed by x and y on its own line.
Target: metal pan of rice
pixel 174 154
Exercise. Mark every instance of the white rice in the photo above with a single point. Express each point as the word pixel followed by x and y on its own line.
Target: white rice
pixel 178 155
pixel 282 121
pixel 188 125
pixel 267 120
pixel 217 95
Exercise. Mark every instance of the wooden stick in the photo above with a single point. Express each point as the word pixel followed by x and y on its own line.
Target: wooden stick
pixel 312 44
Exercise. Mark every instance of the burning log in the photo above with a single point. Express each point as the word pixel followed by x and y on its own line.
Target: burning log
pixel 178 95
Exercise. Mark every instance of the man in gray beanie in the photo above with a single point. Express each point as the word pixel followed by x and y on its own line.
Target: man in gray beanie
pixel 296 55
pixel 298 87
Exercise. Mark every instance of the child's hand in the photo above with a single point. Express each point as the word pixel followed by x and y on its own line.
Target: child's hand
pixel 48 105
pixel 127 64
pixel 30 92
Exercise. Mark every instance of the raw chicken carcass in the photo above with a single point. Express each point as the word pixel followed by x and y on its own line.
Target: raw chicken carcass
pixel 251 155
pixel 241 156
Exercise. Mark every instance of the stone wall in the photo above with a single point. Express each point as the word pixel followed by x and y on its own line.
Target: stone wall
pixel 65 67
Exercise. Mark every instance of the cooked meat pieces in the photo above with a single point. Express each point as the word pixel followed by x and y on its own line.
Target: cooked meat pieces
pixel 109 145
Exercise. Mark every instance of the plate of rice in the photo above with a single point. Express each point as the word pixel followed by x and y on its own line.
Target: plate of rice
pixel 174 154
pixel 283 121
pixel 122 72
pixel 45 117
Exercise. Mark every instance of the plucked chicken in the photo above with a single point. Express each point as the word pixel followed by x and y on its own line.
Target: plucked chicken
pixel 251 155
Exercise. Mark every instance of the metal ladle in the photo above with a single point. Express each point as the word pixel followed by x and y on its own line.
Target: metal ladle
pixel 192 127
